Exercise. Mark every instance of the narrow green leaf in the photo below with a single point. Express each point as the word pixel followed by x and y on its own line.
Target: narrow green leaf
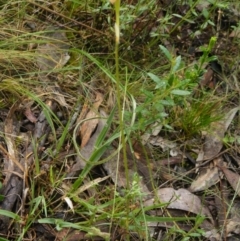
pixel 177 64
pixel 180 92
pixel 160 83
pixel 3 239
pixel 177 15
pixel 47 220
pixel 154 77
pixel 163 219
pixel 10 214
pixel 166 52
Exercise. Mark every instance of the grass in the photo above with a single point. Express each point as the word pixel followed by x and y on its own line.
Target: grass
pixel 138 55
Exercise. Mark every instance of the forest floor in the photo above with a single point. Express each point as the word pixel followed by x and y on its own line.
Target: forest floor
pixel 119 121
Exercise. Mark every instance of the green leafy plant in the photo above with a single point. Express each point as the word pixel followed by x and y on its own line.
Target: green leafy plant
pixel 168 92
pixel 145 77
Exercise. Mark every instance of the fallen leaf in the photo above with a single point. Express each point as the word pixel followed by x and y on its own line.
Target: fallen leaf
pixel 235 33
pixel 155 130
pixel 91 121
pixel 30 116
pixel 205 180
pixel 55 93
pixel 207 79
pixel 232 224
pixel 180 199
pixel 233 179
pixel 233 227
pixel 83 113
pixel 165 144
pixel 87 150
pixel 214 138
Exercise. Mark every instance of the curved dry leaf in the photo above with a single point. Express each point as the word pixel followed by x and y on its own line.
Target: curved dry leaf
pixel 233 179
pixel 213 140
pixel 89 126
pixel 235 33
pixel 181 199
pixel 88 149
pixel 207 78
pixel 233 227
pixel 165 144
pixel 205 180
pixel 30 116
pixel 54 93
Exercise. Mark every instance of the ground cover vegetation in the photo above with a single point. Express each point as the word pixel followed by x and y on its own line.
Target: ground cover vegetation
pixel 119 120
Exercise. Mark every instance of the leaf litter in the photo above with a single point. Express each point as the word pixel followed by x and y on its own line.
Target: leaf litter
pixel 148 171
pixel 91 121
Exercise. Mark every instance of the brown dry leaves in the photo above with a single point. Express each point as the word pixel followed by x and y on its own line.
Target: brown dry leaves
pixel 211 148
pixel 91 120
pixel 181 199
pixel 233 179
pixel 213 140
pixel 93 123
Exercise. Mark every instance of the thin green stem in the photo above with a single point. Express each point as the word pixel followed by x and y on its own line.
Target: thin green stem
pixel 119 100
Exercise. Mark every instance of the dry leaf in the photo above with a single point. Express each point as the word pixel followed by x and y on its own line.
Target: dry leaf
pixel 91 122
pixel 156 127
pixel 207 79
pixel 165 144
pixel 233 227
pixel 87 150
pixel 83 113
pixel 232 224
pixel 180 199
pixel 233 179
pixel 30 116
pixel 213 140
pixel 205 180
pixel 54 93
pixel 137 164
pixel 235 33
